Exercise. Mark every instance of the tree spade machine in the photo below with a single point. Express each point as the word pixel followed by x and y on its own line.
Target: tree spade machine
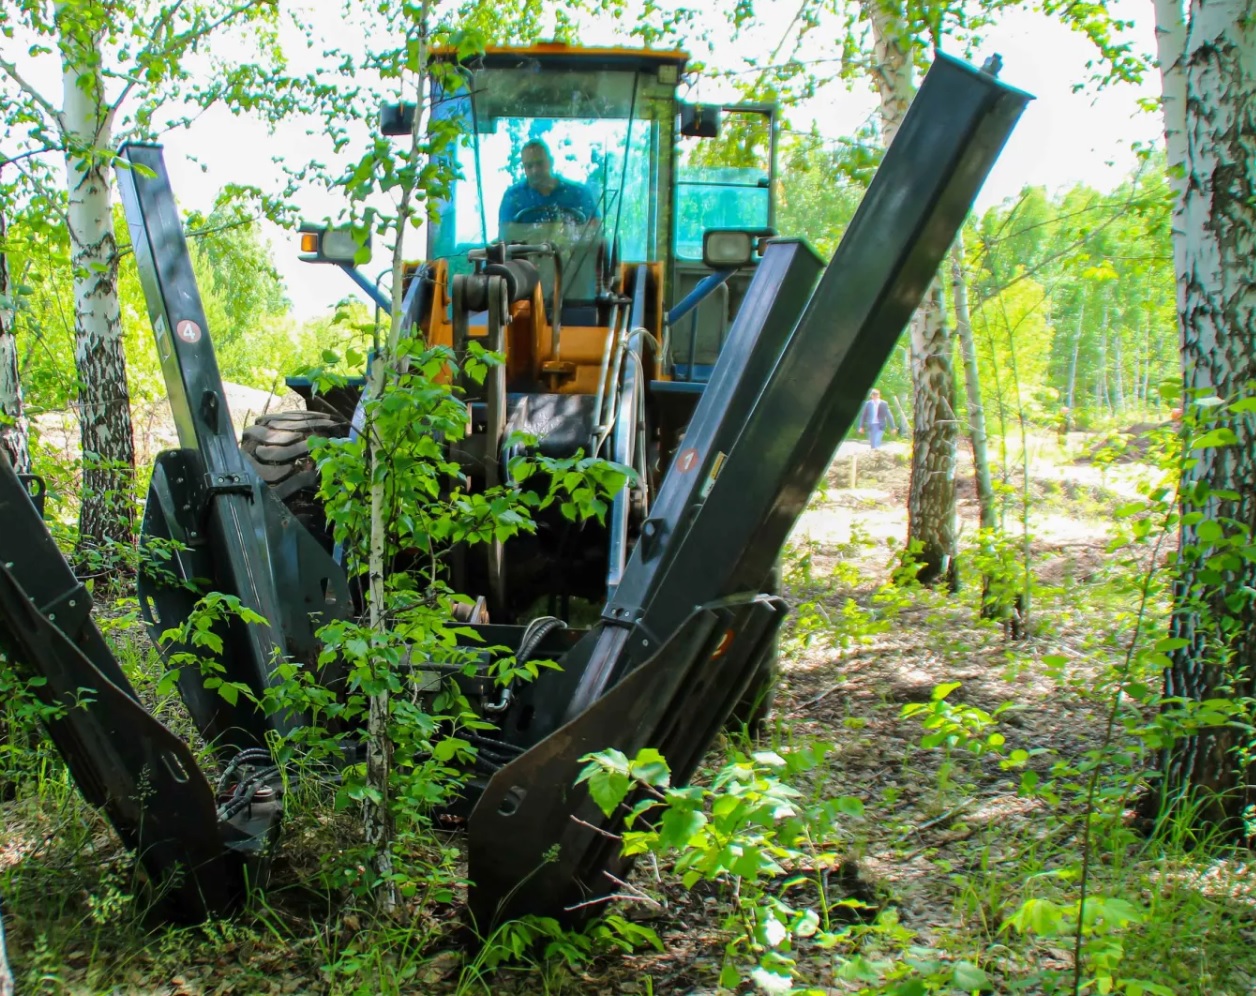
pixel 610 295
pixel 688 616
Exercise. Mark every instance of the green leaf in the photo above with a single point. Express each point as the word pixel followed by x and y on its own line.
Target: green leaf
pixel 679 826
pixel 447 749
pixel 967 976
pixel 943 690
pixel 1214 438
pixel 650 767
pixel 168 682
pixel 1209 531
pixel 1038 916
pixel 608 789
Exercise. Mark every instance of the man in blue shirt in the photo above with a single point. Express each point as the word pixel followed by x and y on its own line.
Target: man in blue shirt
pixel 543 196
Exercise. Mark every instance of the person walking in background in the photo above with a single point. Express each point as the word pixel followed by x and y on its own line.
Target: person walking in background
pixel 875 418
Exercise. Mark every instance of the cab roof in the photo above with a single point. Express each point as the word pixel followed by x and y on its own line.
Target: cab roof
pixel 559 55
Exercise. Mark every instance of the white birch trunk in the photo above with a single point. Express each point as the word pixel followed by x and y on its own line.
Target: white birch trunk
pixel 1170 50
pixel 13 425
pixel 972 384
pixel 104 403
pixel 1218 292
pixel 378 820
pixel 6 974
pixel 891 66
pixel 1104 361
pixel 931 503
pixel 1118 367
pixel 1072 364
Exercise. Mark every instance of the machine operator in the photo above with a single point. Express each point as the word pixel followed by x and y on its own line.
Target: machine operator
pixel 543 195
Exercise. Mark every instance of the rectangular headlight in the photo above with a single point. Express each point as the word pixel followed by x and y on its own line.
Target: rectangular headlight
pixel 727 248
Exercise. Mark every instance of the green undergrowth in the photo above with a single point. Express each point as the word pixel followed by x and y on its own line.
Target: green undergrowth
pixel 936 807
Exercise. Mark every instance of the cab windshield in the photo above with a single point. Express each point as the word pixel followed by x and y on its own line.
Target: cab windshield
pixel 599 130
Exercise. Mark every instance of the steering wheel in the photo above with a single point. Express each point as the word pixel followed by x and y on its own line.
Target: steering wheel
pixel 551 212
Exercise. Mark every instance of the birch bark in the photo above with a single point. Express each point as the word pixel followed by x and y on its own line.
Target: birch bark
pixel 13 426
pixel 106 513
pixel 1217 293
pixel 931 526
pixel 388 364
pixel 972 384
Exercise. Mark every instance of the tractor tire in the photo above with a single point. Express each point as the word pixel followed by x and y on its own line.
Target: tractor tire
pixel 278 444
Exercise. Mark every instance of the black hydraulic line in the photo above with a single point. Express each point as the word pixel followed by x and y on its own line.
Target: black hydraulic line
pixel 686 629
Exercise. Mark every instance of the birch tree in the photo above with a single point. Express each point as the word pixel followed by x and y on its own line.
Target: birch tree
pixel 118 64
pixel 388 364
pixel 1170 52
pixel 972 383
pixel 6 974
pixel 12 418
pixel 931 526
pixel 903 33
pixel 1214 622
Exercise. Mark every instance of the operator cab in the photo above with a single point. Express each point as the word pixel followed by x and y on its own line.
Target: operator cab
pixel 599 124
pixel 585 162
pixel 611 205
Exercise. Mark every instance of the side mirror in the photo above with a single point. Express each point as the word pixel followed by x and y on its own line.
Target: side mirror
pixel 323 244
pixel 730 248
pixel 396 119
pixel 700 120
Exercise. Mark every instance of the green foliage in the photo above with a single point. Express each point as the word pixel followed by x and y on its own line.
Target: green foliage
pixel 824 609
pixel 1082 283
pixel 245 305
pixel 409 652
pixel 820 188
pixel 418 416
pixel 1013 337
pixel 997 558
pixel 745 830
pixel 198 643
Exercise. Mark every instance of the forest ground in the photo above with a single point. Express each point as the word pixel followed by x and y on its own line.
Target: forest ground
pixel 946 847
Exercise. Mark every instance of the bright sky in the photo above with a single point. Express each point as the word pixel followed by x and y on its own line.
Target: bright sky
pixel 1065 137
